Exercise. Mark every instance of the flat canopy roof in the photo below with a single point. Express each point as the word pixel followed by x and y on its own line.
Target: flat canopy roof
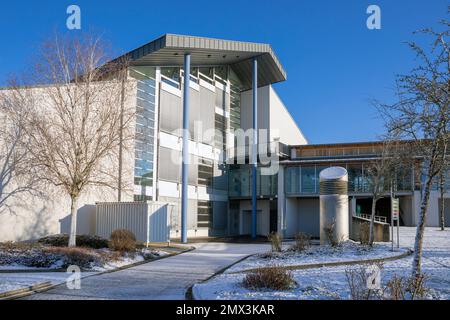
pixel 169 50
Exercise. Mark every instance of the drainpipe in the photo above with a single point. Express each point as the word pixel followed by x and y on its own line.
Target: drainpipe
pixel 255 147
pixel 185 166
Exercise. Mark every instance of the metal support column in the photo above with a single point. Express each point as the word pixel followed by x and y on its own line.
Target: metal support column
pixel 255 147
pixel 185 166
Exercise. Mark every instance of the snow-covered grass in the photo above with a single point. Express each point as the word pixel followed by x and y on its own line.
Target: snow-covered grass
pixel 348 251
pixel 330 282
pixel 34 257
pixel 40 257
pixel 14 281
pixel 129 259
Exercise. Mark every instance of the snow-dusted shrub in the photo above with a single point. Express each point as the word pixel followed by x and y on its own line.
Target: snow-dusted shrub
pixel 62 240
pixel 273 278
pixel 275 241
pixel 406 288
pixel 358 280
pixel 81 257
pixel 302 242
pixel 28 255
pixel 364 233
pixel 122 241
pixel 334 240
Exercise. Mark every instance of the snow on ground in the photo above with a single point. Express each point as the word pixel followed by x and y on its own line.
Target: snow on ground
pixel 13 281
pixel 349 251
pixel 145 254
pixel 331 283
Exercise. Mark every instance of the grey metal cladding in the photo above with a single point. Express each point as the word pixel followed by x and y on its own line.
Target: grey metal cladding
pixel 168 169
pixel 171 114
pixel 169 49
pixel 207 113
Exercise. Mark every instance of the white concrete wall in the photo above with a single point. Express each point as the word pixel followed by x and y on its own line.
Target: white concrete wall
pixel 272 116
pixel 34 217
pixel 263 109
pixel 407 208
pixel 291 218
pixel 309 216
pixel 282 125
pixel 433 208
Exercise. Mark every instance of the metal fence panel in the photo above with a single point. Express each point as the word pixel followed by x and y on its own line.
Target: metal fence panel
pixel 149 221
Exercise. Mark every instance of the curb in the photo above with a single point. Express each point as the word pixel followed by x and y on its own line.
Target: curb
pixel 191 291
pixel 49 285
pixel 19 293
pixel 193 294
pixel 333 264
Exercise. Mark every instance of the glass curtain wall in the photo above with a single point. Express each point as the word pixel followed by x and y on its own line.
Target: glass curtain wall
pixel 240 183
pixel 145 131
pixel 305 179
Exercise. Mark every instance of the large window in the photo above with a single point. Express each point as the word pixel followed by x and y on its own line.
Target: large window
pixel 204 215
pixel 145 131
pixel 205 172
pixel 240 183
pixel 235 101
pixel 171 76
pixel 308 179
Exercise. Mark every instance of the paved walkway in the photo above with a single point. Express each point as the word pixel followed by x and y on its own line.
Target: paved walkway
pixel 159 280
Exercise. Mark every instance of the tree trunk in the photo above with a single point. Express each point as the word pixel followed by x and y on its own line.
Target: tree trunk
pixel 372 221
pixel 417 260
pixel 73 223
pixel 442 208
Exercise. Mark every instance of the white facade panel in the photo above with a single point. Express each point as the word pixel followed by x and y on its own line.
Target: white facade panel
pixel 170 89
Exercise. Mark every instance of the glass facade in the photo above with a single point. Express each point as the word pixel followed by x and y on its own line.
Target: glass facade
pixel 235 101
pixel 145 131
pixel 205 214
pixel 305 179
pixel 240 183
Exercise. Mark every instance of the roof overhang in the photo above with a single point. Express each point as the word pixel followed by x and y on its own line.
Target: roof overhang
pixel 169 50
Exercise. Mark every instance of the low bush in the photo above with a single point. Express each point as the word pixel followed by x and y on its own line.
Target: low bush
pixel 302 242
pixel 358 282
pixel 32 257
pixel 62 240
pixel 406 288
pixel 81 257
pixel 123 241
pixel 333 239
pixel 364 233
pixel 275 241
pixel 273 278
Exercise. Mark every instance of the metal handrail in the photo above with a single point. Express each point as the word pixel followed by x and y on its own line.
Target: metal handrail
pixel 369 217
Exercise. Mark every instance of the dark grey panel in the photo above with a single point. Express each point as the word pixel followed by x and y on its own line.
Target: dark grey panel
pixel 220 179
pixel 220 216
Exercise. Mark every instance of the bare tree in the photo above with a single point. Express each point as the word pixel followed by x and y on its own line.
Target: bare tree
pixel 422 115
pixel 381 174
pixel 75 120
pixel 442 191
pixel 17 177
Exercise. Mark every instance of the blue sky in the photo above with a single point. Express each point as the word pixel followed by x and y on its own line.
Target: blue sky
pixel 335 65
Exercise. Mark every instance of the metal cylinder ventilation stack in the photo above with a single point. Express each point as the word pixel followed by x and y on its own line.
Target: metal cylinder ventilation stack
pixel 334 204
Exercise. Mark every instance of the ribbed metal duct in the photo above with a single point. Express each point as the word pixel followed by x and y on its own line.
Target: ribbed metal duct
pixel 334 212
